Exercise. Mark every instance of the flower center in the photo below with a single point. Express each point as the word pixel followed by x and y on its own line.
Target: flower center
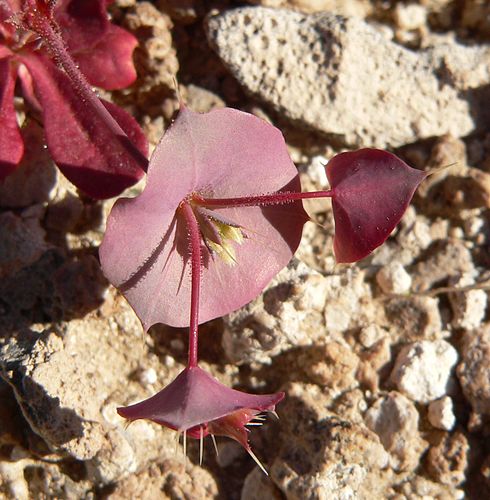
pixel 219 234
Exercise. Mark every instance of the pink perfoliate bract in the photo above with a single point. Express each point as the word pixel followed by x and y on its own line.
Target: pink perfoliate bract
pixel 221 154
pixel 371 191
pixel 197 404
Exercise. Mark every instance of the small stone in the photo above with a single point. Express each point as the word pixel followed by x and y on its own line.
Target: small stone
pixel 447 461
pixel 448 259
pixel 441 415
pixel 349 303
pixel 414 318
pixel 474 373
pixel 423 369
pixel 393 278
pixel 333 365
pixel 21 242
pixel 323 455
pixel 395 419
pixel 288 314
pixel 468 307
pixel 410 16
pixel 148 376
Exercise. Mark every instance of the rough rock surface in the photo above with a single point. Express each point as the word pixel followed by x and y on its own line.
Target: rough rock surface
pixel 323 456
pixel 423 370
pixel 280 318
pixel 68 384
pixel 441 414
pixel 395 420
pixel 314 69
pixel 474 373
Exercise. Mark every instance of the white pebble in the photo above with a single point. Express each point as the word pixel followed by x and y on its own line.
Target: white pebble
pixel 392 278
pixel 423 369
pixel 441 415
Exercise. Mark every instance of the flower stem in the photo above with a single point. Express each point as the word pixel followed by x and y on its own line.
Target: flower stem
pixel 39 21
pixel 260 200
pixel 195 243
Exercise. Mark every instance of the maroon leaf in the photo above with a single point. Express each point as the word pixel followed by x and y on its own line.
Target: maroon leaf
pixel 11 144
pixel 103 51
pixel 81 140
pixel 371 191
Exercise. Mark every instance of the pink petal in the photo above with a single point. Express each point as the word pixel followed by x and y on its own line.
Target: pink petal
pixel 81 142
pixel 103 51
pixel 219 154
pixel 371 191
pixel 11 144
pixel 196 398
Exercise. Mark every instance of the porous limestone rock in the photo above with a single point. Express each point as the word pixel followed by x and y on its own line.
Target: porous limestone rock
pixel 423 369
pixel 360 8
pixel 474 373
pixel 395 420
pixel 288 314
pixel 342 77
pixel 441 414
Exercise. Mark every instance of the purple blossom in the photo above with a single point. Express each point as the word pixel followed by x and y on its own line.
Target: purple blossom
pixel 146 252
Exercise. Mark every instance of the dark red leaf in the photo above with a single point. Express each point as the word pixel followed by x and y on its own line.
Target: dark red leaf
pixel 82 142
pixel 371 191
pixel 103 51
pixel 11 144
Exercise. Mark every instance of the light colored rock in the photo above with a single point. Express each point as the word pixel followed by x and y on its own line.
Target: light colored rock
pixel 468 307
pixel 423 369
pixel 441 414
pixel 410 16
pixel 258 486
pixel 288 314
pixel 167 479
pixel 349 303
pixel 323 456
pixel 474 373
pixel 393 278
pixel 395 420
pixel 342 77
pixel 360 8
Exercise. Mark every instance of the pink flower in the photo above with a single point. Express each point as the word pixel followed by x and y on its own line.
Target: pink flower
pixel 97 146
pixel 197 405
pixel 146 250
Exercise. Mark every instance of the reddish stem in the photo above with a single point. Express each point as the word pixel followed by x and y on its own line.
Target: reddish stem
pixel 266 199
pixel 195 244
pixel 48 30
